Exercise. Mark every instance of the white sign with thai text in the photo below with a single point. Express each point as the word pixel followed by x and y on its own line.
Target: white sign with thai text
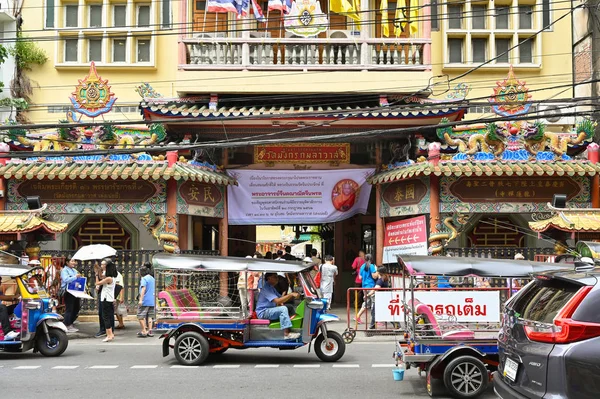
pixel 466 306
pixel 297 196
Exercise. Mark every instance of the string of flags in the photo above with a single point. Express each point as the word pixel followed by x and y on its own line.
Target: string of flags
pixel 242 7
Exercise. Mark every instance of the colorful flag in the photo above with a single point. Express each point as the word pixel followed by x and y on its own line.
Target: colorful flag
pixel 222 6
pixel 385 23
pixel 406 15
pixel 258 12
pixel 350 9
pixel 284 6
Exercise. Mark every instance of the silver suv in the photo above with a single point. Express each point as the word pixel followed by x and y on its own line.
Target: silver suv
pixel 549 343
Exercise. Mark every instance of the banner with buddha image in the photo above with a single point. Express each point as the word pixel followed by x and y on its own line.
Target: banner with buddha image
pixel 297 196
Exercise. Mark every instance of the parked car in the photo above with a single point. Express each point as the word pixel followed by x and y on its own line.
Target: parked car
pixel 549 342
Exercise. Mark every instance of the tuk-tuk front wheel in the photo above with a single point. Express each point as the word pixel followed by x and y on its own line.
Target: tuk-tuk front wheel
pixel 191 348
pixel 331 349
pixel 55 345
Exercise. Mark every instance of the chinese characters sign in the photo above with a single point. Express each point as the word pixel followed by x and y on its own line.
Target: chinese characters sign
pixel 302 153
pixel 521 189
pixel 466 306
pixel 407 197
pixel 408 192
pixel 198 198
pixel 297 196
pixel 405 237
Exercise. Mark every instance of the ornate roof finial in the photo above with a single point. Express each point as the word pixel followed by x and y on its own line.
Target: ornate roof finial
pixel 511 96
pixel 92 96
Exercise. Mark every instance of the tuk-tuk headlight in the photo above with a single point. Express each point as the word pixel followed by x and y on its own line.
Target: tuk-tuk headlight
pixel 316 305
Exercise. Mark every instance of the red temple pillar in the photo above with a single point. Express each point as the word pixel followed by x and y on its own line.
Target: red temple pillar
pixel 594 157
pixel 434 196
pixel 171 225
pixel 379 224
pixel 224 235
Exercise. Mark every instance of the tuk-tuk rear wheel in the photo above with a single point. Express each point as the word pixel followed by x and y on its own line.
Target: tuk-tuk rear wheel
pixel 191 348
pixel 332 349
pixel 56 346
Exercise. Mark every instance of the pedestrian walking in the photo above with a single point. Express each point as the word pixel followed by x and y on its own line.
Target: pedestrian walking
pixel 383 281
pixel 356 265
pixel 107 296
pixel 120 308
pixel 368 274
pixel 328 273
pixel 145 312
pixel 102 329
pixel 72 304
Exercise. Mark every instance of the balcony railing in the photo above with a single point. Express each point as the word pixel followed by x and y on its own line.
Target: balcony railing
pixel 258 53
pixel 499 252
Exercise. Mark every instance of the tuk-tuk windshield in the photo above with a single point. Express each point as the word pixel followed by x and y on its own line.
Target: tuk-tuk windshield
pixel 310 287
pixel 33 282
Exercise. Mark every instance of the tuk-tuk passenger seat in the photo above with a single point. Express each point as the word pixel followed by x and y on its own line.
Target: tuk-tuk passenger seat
pixel 182 303
pixel 431 320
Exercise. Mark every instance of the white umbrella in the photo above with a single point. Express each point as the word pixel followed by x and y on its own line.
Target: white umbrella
pixel 94 251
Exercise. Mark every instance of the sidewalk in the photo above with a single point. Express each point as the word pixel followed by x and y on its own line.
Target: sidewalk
pixel 88 327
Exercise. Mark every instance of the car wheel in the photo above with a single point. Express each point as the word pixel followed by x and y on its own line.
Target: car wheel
pixel 466 377
pixel 55 346
pixel 191 349
pixel 331 349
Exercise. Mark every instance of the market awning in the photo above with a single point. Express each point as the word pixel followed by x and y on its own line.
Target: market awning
pixel 25 222
pixel 490 168
pixel 570 221
pixel 147 170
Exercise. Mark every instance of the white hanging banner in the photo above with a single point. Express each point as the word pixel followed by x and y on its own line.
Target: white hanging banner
pixel 306 19
pixel 297 196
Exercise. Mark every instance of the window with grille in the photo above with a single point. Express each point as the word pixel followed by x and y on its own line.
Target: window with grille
pixel 102 230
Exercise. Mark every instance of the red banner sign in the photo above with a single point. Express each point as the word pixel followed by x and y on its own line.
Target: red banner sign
pixel 405 237
pixel 302 153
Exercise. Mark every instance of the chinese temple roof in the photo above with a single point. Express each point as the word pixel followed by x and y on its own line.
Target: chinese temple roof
pixel 490 168
pixel 153 170
pixel 15 223
pixel 198 107
pixel 570 221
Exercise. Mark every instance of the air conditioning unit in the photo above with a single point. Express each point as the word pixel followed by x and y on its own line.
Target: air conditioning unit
pixel 343 34
pixel 209 35
pixel 260 35
pixel 553 113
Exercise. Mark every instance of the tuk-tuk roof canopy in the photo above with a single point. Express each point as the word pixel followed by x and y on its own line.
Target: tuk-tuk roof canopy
pixel 482 267
pixel 164 261
pixel 15 270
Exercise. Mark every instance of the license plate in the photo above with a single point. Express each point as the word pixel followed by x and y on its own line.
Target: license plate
pixel 510 369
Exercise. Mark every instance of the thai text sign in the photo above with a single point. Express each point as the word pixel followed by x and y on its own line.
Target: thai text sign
pixel 405 237
pixel 297 196
pixel 521 189
pixel 466 306
pixel 407 192
pixel 302 153
pixel 88 191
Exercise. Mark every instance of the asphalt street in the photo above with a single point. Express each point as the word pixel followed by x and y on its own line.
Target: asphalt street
pixel 128 368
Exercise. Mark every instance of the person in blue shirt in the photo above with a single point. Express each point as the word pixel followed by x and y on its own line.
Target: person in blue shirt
pixel 146 303
pixel 368 275
pixel 72 304
pixel 271 305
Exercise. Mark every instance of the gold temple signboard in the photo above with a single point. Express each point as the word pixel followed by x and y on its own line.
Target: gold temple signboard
pixel 302 153
pixel 518 189
pixel 88 191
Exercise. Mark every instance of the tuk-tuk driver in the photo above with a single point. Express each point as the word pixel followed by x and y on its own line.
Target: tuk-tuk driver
pixel 271 305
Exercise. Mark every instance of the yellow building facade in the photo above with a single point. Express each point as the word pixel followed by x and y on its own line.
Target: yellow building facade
pixel 181 50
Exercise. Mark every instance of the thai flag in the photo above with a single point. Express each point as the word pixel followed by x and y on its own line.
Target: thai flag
pixel 221 6
pixel 284 6
pixel 258 12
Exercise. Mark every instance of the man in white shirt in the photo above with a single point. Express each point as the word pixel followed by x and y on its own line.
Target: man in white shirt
pixel 328 273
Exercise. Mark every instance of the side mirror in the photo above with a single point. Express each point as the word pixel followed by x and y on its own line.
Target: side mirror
pixel 316 305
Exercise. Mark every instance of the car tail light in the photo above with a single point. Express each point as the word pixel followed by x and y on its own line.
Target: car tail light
pixel 565 329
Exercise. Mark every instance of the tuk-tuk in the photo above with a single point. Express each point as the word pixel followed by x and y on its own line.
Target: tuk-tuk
pixel 199 311
pixel 452 333
pixel 40 328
